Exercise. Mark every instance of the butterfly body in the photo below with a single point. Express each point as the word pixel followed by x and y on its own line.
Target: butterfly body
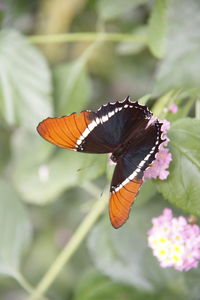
pixel 122 128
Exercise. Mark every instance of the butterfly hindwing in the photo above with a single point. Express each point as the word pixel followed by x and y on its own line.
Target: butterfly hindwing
pixel 128 174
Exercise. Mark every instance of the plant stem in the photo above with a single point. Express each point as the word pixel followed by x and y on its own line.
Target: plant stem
pixel 25 284
pixel 86 36
pixel 70 248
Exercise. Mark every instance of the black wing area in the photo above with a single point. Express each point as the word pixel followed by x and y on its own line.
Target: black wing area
pixel 97 132
pixel 112 125
pixel 128 174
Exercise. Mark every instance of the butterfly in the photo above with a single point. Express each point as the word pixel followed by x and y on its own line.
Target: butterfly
pixel 125 129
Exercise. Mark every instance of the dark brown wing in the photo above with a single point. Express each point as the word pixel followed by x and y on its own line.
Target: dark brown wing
pixel 128 174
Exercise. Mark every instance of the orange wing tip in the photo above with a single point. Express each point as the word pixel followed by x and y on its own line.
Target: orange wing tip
pixel 121 201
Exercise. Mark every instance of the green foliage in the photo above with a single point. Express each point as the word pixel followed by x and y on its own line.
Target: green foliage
pixel 158 28
pixel 44 176
pixel 127 259
pixel 112 9
pixel 25 85
pixel 126 255
pixel 71 84
pixel 180 66
pixel 62 185
pixel 95 286
pixel 182 186
pixel 15 230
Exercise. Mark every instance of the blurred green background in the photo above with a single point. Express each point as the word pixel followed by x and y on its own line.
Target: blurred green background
pixel 51 65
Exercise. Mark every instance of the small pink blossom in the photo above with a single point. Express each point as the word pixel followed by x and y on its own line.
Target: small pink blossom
pixel 173 108
pixel 159 167
pixel 174 241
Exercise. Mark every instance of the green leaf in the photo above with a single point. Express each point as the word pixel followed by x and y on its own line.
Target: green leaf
pixel 180 66
pixel 95 286
pixel 158 28
pixel 41 171
pixel 123 254
pixel 182 186
pixel 44 181
pixel 15 230
pixel 108 10
pixel 72 87
pixel 25 85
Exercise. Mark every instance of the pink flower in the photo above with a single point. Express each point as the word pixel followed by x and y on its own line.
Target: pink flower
pixel 173 108
pixel 159 167
pixel 174 241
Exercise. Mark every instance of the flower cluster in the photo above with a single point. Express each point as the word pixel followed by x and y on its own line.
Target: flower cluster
pixel 163 157
pixel 175 242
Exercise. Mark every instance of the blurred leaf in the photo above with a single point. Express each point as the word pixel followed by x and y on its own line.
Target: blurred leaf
pixel 5 147
pixel 92 166
pixel 95 286
pixel 182 186
pixel 158 28
pixel 132 48
pixel 143 100
pixel 184 106
pixel 123 254
pixel 192 284
pixel 112 9
pixel 44 182
pixel 72 87
pixel 164 102
pixel 25 85
pixel 41 175
pixel 147 192
pixel 15 230
pixel 180 66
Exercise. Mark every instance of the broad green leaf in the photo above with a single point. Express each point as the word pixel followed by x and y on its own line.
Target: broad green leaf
pixel 72 87
pixel 15 230
pixel 123 254
pixel 158 28
pixel 180 66
pixel 182 186
pixel 25 85
pixel 112 9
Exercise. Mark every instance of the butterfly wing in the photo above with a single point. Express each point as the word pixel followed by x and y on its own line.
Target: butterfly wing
pixel 96 132
pixel 128 174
